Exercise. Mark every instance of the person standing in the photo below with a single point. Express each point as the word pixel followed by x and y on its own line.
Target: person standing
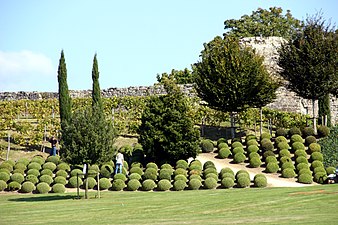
pixel 119 162
pixel 53 142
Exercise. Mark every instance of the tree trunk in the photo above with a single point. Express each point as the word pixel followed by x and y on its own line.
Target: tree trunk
pixel 314 117
pixel 261 121
pixel 232 124
pixel 324 110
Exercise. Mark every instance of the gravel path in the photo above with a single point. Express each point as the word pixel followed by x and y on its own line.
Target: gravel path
pixel 274 180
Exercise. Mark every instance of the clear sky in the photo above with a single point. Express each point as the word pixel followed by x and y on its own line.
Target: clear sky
pixel 134 39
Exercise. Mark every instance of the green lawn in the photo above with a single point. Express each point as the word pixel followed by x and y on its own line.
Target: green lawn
pixel 310 205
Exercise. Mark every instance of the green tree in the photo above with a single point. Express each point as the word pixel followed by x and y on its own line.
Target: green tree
pixel 179 76
pixel 264 23
pixel 232 78
pixel 96 94
pixel 309 61
pixel 65 105
pixel 324 110
pixel 167 133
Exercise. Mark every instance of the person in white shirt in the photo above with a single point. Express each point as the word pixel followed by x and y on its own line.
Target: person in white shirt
pixel 119 163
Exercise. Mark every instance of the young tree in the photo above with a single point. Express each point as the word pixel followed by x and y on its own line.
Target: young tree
pixel 96 94
pixel 309 61
pixel 179 76
pixel 167 133
pixel 232 78
pixel 264 23
pixel 64 98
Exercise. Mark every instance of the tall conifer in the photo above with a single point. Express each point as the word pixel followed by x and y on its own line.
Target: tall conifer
pixel 96 92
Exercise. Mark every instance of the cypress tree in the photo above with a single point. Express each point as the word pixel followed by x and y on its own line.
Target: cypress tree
pixel 324 109
pixel 64 98
pixel 96 93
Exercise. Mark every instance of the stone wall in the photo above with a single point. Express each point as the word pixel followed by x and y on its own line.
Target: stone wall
pixel 286 100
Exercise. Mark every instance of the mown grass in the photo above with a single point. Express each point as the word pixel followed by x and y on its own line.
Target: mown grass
pixel 308 205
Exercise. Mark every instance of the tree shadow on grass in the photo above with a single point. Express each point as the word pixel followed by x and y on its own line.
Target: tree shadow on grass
pixel 43 198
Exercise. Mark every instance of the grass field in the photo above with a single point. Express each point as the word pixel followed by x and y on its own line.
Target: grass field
pixel 309 205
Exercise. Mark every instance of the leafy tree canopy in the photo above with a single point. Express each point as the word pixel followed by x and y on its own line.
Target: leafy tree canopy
pixel 264 23
pixel 179 76
pixel 167 133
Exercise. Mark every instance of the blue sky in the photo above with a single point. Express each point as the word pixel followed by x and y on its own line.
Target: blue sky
pixel 134 40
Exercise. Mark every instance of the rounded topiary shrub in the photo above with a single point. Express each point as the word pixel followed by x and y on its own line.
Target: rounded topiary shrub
pixel 137 170
pixel 314 147
pixel 237 150
pixel 305 178
pixel 150 173
pixel 272 168
pixel 252 142
pixel 195 166
pixel 181 177
pixel 106 171
pixel 255 162
pixel 6 165
pixel 25 161
pixel 305 170
pixel 182 164
pixel 133 185
pixel 58 188
pixel 317 156
pixel 260 181
pixel 288 173
pixel 38 159
pixel 194 184
pixel 195 176
pixel 120 176
pixel 222 145
pixel 166 166
pixel 301 159
pixel 210 183
pixel 288 165
pixel 18 177
pixel 61 173
pixel 215 176
pixel 265 136
pixel 252 148
pixel 19 171
pixel 239 158
pixel 271 159
pixel 330 170
pixel 280 139
pixel 54 159
pixel 319 169
pixel 42 188
pixel 136 164
pixel 4 176
pixel 236 144
pixel 179 185
pixel 165 174
pixel 296 138
pixel 32 178
pixel 152 165
pixel 20 166
pixel 282 145
pixel 210 170
pixel 267 146
pixel 13 186
pixel 243 182
pixel 284 152
pixel 224 153
pixel 281 132
pixel 118 185
pixel 294 130
pixel 104 183
pixel 73 182
pixel 91 182
pixel 253 155
pixel 63 166
pixel 323 131
pixel 230 175
pixel 135 176
pixel 207 146
pixel 284 159
pixel 3 185
pixel 60 180
pixel 239 172
pixel 163 185
pixel 221 140
pixel 227 182
pixel 181 171
pixel 308 131
pixel 268 153
pixel 27 187
pixel 302 166
pixel 309 140
pixel 47 172
pixel 34 172
pixel 300 152
pixel 316 163
pixel 74 173
pixel 94 168
pixel 227 170
pixel 148 185
pixel 320 177
pixel 49 165
pixel 297 146
pixel 34 165
pixel 46 178
pixel 250 137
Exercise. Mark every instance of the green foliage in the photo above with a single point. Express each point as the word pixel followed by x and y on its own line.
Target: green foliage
pixel 263 22
pixel 62 173
pixel 118 185
pixel 330 170
pixel 60 180
pixel 167 132
pixel 179 76
pixel 135 176
pixel 301 159
pixel 314 147
pixel 182 164
pixel 224 153
pixel 63 166
pixel 305 178
pixel 3 185
pixel 106 170
pixel 34 172
pixel 288 165
pixel 58 188
pixel 133 185
pixel 49 165
pixel 309 140
pixel 166 166
pixel 136 170
pixel 281 132
pixel 231 78
pixel 96 91
pixel 324 109
pixel 237 150
pixel 148 185
pixel 120 176
pixel 74 172
pixel 316 163
pixel 252 142
pixel 272 167
pixel 239 158
pixel 329 148
pixel 180 171
pixel 230 175
pixel 73 182
pixel 270 159
pixel 104 183
pixel 227 170
pixel 195 176
pixel 294 130
pixel 288 173
pixel 54 159
pixel 252 148
pixel 243 182
pixel 300 152
pixel 265 136
pixel 38 159
pixel 267 146
pixel 308 131
pixel 194 184
pixel 297 146
pixel 24 161
pixel 296 138
pixel 222 145
pixel 163 185
pixel 46 179
pixel 320 177
pixel 236 144
pixel 227 182
pixel 323 131
pixel 319 169
pixel 14 186
pixel 268 153
pixel 20 166
pixel 305 170
pixel 180 177
pixel 280 139
pixel 42 188
pixel 260 181
pixel 151 173
pixel 18 177
pixel 285 159
pixel 32 178
pixel 4 176
pixel 317 156
pixel 207 146
pixel 239 172
pixel 47 172
pixel 179 185
pixel 284 152
pixel 283 145
pixel 34 165
pixel 255 162
pixel 210 183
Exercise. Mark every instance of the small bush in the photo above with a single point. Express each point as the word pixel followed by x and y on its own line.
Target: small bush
pixel 222 145
pixel 301 159
pixel 330 170
pixel 272 168
pixel 46 178
pixel 255 162
pixel 166 166
pixel 181 177
pixel 104 183
pixel 60 180
pixel 280 139
pixel 288 173
pixel 207 146
pixel 14 186
pixel 106 171
pixel 61 173
pixel 301 166
pixel 323 131
pixel 319 169
pixel 74 173
pixel 250 137
pixel 288 165
pixel 316 163
pixel 215 176
pixel 19 171
pixel 194 184
pixel 152 165
pixel 281 132
pixel 284 159
pixel 27 187
pixel 148 185
pixel 227 170
pixel 18 177
pixel 300 152
pixel 58 188
pixel 3 185
pixel 297 146
pixel 135 176
pixel 179 185
pixel 284 152
pixel 265 135
pixel 260 181
pixel 296 138
pixel 224 153
pixel 118 185
pixel 267 146
pixel 252 148
pixel 32 178
pixel 309 140
pixel 282 145
pixel 49 165
pixel 294 130
pixel 314 147
pixel 270 159
pixel 3 170
pixel 197 172
pixel 133 185
pixel 4 176
pixel 120 176
pixel 137 170
pixel 182 164
pixel 165 174
pixel 268 153
pixel 320 177
pixel 210 170
pixel 230 175
pixel 34 172
pixel 34 165
pixel 243 182
pixel 227 182
pixel 253 155
pixel 308 131
pixel 6 165
pixel 305 170
pixel 239 172
pixel 20 166
pixel 195 166
pixel 305 178
pixel 236 144
pixel 195 176
pixel 47 172
pixel 54 159
pixel 210 183
pixel 181 171
pixel 221 140
pixel 237 150
pixel 24 161
pixel 252 142
pixel 239 158
pixel 163 185
pixel 63 166
pixel 317 156
pixel 42 188
pixel 72 182
pixel 38 159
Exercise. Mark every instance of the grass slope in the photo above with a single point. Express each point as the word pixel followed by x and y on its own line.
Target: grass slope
pixel 309 205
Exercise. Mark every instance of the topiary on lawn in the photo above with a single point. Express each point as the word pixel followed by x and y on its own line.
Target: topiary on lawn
pixel 268 153
pixel 38 159
pixel 63 166
pixel 34 172
pixel 294 131
pixel 243 182
pixel 104 183
pixel 301 159
pixel 253 155
pixel 281 132
pixel 166 166
pixel 221 140
pixel 272 167
pixel 18 177
pixel 330 170
pixel 284 159
pixel 6 165
pixel 4 176
pixel 309 140
pixel 239 158
pixel 252 148
pixel 215 176
pixel 60 180
pixel 49 165
pixel 181 177
pixel 181 171
pixel 24 161
pixel 222 145
pixel 34 165
pixel 305 178
pixel 210 170
pixel 54 159
pixel 320 177
pixel 152 165
pixel 300 152
pixel 265 136
pixel 148 185
pixel 133 185
pixel 72 182
pixel 137 170
pixel 308 131
pixel 165 174
pixel 47 172
pixel 288 165
pixel 19 171
pixel 288 173
pixel 282 145
pixel 20 166
pixel 323 131
pixel 61 173
pixel 120 176
pixel 280 139
pixel 252 142
pixel 296 138
pixel 230 175
pixel 58 188
pixel 241 172
pixel 3 185
pixel 227 170
pixel 151 173
pixel 316 163
pixel 284 152
pixel 236 144
pixel 302 166
pixel 237 150
pixel 194 184
pixel 224 153
pixel 227 182
pixel 210 183
pixel 27 187
pixel 163 185
pixel 106 171
pixel 317 156
pixel 196 172
pixel 297 146
pixel 182 164
pixel 14 186
pixel 42 188
pixel 267 146
pixel 74 173
pixel 255 162
pixel 314 147
pixel 179 185
pixel 46 178
pixel 118 185
pixel 305 170
pixel 319 169
pixel 195 176
pixel 270 159
pixel 207 146
pixel 32 178
pixel 260 181
pixel 135 176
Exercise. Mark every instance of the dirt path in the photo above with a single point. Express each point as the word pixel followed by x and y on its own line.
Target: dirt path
pixel 274 180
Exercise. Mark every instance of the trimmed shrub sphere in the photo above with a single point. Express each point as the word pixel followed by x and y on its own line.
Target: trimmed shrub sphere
pixel 296 138
pixel 317 156
pixel 6 165
pixel 47 172
pixel 252 148
pixel 165 174
pixel 166 166
pixel 19 171
pixel 241 172
pixel 316 163
pixel 32 178
pixel 300 152
pixel 319 169
pixel 135 176
pixel 252 142
pixel 62 173
pixel 280 139
pixel 163 185
pixel 260 181
pixel 34 165
pixel 179 185
pixel 104 183
pixel 194 184
pixel 120 176
pixel 46 178
pixel 54 159
pixel 330 170
pixel 253 155
pixel 210 170
pixel 227 170
pixel 72 182
pixel 320 177
pixel 309 140
pixel 49 165
pixel 255 162
pixel 151 173
pixel 305 170
pixel 285 159
pixel 24 161
pixel 20 166
pixel 14 186
pixel 270 159
pixel 225 175
pixel 323 131
pixel 4 176
pixel 265 135
pixel 301 166
pixel 222 145
pixel 272 167
pixel 3 185
pixel 34 172
pixel 133 185
pixel 207 146
pixel 180 177
pixel 152 165
pixel 182 164
pixel 297 146
pixel 74 172
pixel 91 183
pixel 210 183
pixel 314 147
pixel 308 131
pixel 267 146
pixel 18 177
pixel 305 178
pixel 42 188
pixel 180 171
pixel 118 185
pixel 288 165
pixel 243 182
pixel 227 182
pixel 301 159
pixel 195 176
pixel 27 187
pixel 224 153
pixel 239 158
pixel 236 144
pixel 58 188
pixel 282 145
pixel 237 150
pixel 60 180
pixel 281 132
pixel 294 131
pixel 215 176
pixel 284 152
pixel 148 185
pixel 63 166
pixel 288 173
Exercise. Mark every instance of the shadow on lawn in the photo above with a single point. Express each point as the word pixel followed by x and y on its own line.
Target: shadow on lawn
pixel 43 198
